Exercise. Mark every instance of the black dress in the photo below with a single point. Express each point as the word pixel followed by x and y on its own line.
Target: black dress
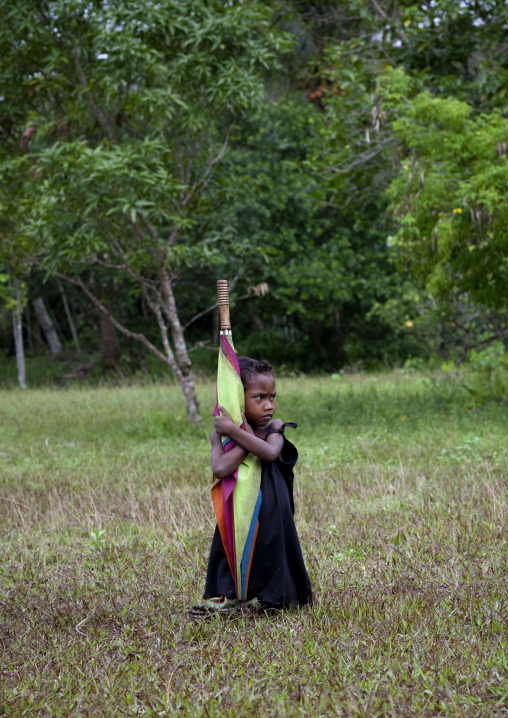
pixel 278 577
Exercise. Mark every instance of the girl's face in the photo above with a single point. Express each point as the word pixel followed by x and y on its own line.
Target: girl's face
pixel 260 400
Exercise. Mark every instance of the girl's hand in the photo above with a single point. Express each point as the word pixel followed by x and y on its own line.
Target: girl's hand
pixel 247 427
pixel 224 413
pixel 223 423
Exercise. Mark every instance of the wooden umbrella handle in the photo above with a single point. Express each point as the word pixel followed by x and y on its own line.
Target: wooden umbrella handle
pixel 223 292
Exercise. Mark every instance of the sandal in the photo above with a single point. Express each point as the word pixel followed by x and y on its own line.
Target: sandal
pixel 211 606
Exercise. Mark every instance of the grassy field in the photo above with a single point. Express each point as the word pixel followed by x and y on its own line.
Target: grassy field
pixel 106 522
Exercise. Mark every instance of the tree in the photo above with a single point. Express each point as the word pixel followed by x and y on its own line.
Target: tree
pixel 113 119
pixel 12 297
pixel 450 198
pixel 439 164
pixel 327 268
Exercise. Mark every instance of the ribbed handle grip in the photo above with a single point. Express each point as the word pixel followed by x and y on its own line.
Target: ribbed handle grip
pixel 223 292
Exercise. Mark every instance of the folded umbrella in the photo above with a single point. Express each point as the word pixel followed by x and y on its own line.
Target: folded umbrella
pixel 237 498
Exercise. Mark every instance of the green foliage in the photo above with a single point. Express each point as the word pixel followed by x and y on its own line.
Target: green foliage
pixel 493 358
pixel 5 297
pixel 367 192
pixel 449 198
pixel 327 269
pixel 97 540
pixel 412 99
pixel 356 140
pixel 119 101
pixel 115 117
pixel 453 48
pixel 486 373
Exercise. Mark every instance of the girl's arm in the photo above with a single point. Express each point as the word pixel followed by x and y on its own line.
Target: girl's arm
pixel 266 450
pixel 224 464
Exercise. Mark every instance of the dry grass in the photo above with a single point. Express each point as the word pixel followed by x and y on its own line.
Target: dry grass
pixel 401 510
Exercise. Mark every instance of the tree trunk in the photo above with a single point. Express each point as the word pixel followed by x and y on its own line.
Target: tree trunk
pixel 184 375
pixel 142 359
pixel 442 344
pixel 137 355
pixel 111 350
pixel 315 333
pixel 171 312
pixel 338 335
pixel 68 314
pixel 191 400
pixel 29 328
pixel 55 346
pixel 37 336
pixel 17 325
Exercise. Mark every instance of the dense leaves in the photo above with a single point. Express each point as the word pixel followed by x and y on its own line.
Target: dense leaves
pixel 118 105
pixel 326 267
pixel 344 162
pixel 451 197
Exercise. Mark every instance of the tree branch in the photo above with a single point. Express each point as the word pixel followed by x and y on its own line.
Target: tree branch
pixel 156 310
pixel 202 182
pixel 192 156
pixel 382 14
pixel 102 119
pixel 231 286
pixel 77 281
pixel 362 158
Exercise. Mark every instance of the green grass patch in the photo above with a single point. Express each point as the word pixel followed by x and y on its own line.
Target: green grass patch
pixel 106 523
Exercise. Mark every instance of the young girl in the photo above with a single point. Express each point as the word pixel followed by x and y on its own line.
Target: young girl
pixel 278 577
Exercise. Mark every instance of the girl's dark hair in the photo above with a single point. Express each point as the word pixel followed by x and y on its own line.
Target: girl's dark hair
pixel 250 368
